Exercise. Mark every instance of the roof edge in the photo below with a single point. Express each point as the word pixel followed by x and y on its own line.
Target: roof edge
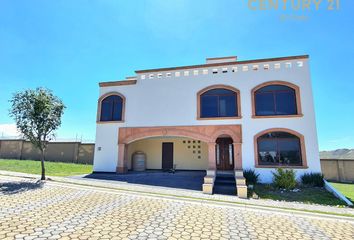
pixel 218 58
pixel 117 83
pixel 224 63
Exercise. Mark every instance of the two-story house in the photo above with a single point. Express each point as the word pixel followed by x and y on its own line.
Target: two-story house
pixel 224 115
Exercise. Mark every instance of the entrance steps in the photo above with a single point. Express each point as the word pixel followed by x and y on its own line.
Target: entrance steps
pixel 225 184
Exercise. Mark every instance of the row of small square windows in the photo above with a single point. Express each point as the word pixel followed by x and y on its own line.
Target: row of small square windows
pixel 223 70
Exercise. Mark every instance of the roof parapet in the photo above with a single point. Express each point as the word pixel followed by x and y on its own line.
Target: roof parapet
pixel 221 59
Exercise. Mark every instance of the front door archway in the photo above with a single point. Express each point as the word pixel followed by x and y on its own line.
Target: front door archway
pixel 224 154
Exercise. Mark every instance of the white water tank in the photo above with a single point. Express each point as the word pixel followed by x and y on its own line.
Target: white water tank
pixel 139 161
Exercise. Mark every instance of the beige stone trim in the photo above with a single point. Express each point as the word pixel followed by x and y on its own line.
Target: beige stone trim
pixel 117 83
pixel 237 156
pixel 302 145
pixel 238 101
pixel 207 133
pixel 99 103
pixel 283 83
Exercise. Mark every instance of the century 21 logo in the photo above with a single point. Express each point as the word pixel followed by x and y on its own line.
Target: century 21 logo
pixel 293 4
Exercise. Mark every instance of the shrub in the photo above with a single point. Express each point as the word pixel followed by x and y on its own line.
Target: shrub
pixel 251 176
pixel 313 179
pixel 284 178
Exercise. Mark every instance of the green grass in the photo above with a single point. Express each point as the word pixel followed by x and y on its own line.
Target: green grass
pixel 52 168
pixel 312 195
pixel 347 189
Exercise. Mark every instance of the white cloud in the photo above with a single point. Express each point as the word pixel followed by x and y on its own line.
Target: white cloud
pixel 9 130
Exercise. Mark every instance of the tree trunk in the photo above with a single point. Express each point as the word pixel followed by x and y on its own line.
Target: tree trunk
pixel 42 164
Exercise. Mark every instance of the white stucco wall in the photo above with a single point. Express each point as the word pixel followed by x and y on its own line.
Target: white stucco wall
pixel 172 101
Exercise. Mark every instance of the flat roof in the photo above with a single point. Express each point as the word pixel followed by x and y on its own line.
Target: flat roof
pixel 223 63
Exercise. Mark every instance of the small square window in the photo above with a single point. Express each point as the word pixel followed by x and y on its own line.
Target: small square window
pixel 215 71
pixel 224 70
pixel 189 141
pixel 199 157
pixel 184 141
pixel 277 66
pixel 288 65
pixel 195 72
pixel 234 69
pixel 168 74
pixel 255 67
pixel 205 71
pixel 193 146
pixel 198 146
pixel 199 151
pixel 300 63
pixel 193 151
pixel 177 74
pixel 193 141
pixel 266 66
pixel 159 75
pixel 142 77
pixel 151 76
pixel 186 73
pixel 198 141
pixel 245 68
pixel 189 146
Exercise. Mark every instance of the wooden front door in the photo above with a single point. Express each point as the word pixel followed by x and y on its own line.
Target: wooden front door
pixel 167 155
pixel 224 154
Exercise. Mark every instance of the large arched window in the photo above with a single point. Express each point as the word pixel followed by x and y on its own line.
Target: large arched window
pixel 111 108
pixel 218 102
pixel 279 148
pixel 276 99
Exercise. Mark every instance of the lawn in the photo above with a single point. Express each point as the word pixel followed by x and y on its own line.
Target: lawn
pixel 347 189
pixel 52 168
pixel 312 195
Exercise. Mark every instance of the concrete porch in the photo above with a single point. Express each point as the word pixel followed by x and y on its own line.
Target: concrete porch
pixel 190 180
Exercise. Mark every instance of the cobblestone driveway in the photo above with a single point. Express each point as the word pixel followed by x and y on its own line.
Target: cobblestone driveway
pixel 62 211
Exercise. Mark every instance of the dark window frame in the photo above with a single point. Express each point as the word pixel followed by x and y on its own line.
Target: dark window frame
pixel 232 93
pixel 278 150
pixel 290 90
pixel 119 101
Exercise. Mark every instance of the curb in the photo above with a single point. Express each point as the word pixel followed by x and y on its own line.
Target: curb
pixel 100 186
pixel 336 193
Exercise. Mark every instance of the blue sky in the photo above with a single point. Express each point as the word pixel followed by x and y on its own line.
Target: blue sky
pixel 70 46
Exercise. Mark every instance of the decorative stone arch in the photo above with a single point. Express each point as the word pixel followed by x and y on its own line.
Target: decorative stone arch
pixel 202 133
pixel 283 83
pixel 99 104
pixel 297 134
pixel 238 99
pixel 207 134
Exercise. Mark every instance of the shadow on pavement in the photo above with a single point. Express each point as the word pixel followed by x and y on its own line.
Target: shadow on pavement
pixel 191 180
pixel 9 188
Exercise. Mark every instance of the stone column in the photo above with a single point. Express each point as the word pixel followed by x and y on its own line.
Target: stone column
pixel 211 156
pixel 237 156
pixel 122 166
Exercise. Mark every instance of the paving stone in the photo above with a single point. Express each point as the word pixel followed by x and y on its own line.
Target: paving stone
pixel 60 211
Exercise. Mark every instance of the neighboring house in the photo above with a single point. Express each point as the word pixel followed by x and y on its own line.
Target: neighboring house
pixel 222 115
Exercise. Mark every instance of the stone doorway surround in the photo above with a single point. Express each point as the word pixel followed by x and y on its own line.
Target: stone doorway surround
pixel 207 133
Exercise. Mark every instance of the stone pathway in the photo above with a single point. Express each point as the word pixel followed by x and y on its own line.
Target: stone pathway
pixel 185 193
pixel 31 210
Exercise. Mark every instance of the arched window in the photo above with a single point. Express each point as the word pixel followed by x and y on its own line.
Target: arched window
pixel 279 148
pixel 275 99
pixel 218 102
pixel 112 108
